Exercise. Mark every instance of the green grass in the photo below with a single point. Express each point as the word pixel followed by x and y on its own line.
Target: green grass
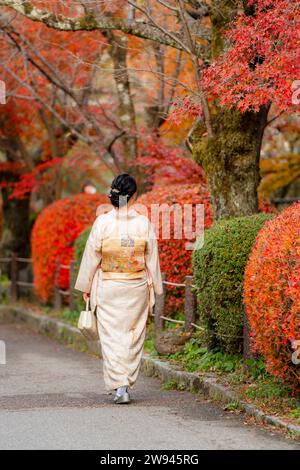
pixel 4 280
pixel 249 378
pixel 70 316
pixel 178 315
pixel 149 345
pixel 232 406
pixel 195 357
pixel 268 388
pixel 64 314
pixel 295 414
pixel 169 385
pixel 173 385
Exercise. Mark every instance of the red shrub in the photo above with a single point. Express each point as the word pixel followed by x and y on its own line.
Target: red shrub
pixel 272 294
pixel 175 260
pixel 53 237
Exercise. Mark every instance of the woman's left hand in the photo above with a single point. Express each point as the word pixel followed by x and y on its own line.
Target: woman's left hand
pixel 86 296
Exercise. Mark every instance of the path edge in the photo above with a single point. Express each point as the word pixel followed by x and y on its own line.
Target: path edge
pixel 206 383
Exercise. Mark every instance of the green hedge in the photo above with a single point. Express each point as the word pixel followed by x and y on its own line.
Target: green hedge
pixel 78 252
pixel 218 272
pixel 80 245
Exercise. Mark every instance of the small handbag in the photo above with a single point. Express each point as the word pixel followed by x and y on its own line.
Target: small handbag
pixel 87 323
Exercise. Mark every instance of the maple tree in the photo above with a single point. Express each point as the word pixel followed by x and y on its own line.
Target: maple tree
pixel 253 67
pixel 34 136
pixel 263 58
pixel 60 101
pixel 164 164
pixel 255 62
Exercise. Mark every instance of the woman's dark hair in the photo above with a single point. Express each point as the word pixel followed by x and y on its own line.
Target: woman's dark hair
pixel 122 189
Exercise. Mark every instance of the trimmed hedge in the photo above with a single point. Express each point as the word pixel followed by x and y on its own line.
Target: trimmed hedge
pixel 53 237
pixel 219 273
pixel 78 252
pixel 175 259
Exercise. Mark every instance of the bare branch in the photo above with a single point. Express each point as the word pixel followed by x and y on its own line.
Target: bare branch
pixel 197 68
pixel 126 111
pixel 95 21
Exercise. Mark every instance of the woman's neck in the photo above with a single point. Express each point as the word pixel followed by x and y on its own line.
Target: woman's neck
pixel 123 210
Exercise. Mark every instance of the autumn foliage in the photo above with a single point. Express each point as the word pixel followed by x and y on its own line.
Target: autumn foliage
pixel 162 164
pixel 53 237
pixel 272 294
pixel 175 259
pixel 262 62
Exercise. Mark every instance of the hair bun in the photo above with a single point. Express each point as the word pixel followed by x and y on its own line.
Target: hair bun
pixel 122 189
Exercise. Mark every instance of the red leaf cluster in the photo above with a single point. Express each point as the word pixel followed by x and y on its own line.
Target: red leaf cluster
pixel 263 60
pixel 53 237
pixel 32 181
pixel 175 259
pixel 163 164
pixel 272 294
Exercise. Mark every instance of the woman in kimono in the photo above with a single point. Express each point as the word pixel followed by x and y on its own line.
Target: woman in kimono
pixel 120 274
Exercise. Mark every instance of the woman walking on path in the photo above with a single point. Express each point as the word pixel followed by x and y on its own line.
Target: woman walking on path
pixel 120 273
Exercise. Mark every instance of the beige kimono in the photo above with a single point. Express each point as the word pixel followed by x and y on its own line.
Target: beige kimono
pixel 120 269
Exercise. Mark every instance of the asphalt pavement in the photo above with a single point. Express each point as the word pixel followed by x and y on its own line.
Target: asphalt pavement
pixel 52 397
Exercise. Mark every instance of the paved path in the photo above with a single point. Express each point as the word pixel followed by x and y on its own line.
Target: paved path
pixel 52 397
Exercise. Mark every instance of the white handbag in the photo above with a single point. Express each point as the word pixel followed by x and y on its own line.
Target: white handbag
pixel 87 323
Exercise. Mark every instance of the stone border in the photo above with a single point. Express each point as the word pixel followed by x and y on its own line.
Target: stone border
pixel 206 384
pixel 210 388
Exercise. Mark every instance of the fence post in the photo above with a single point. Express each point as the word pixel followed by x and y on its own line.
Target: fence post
pixel 71 286
pixel 160 307
pixel 57 296
pixel 189 304
pixel 14 277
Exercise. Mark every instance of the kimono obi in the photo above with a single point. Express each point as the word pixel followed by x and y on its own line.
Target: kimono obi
pixel 123 258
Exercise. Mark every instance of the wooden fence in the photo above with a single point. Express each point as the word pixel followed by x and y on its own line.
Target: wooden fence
pixel 190 301
pixel 190 305
pixel 59 294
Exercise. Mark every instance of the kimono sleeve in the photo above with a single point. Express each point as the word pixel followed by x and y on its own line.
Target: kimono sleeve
pixel 152 260
pixel 90 259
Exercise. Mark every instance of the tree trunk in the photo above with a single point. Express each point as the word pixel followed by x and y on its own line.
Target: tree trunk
pixel 16 228
pixel 16 212
pixel 231 156
pixel 126 111
pixel 231 160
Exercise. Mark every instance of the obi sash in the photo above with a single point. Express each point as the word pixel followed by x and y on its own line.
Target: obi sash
pixel 123 258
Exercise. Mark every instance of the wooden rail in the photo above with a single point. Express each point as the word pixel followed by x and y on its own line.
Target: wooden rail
pixel 190 300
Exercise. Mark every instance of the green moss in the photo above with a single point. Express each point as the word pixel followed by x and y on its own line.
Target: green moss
pixel 27 8
pixel 219 273
pixel 222 13
pixel 229 159
pixel 235 134
pixel 88 22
